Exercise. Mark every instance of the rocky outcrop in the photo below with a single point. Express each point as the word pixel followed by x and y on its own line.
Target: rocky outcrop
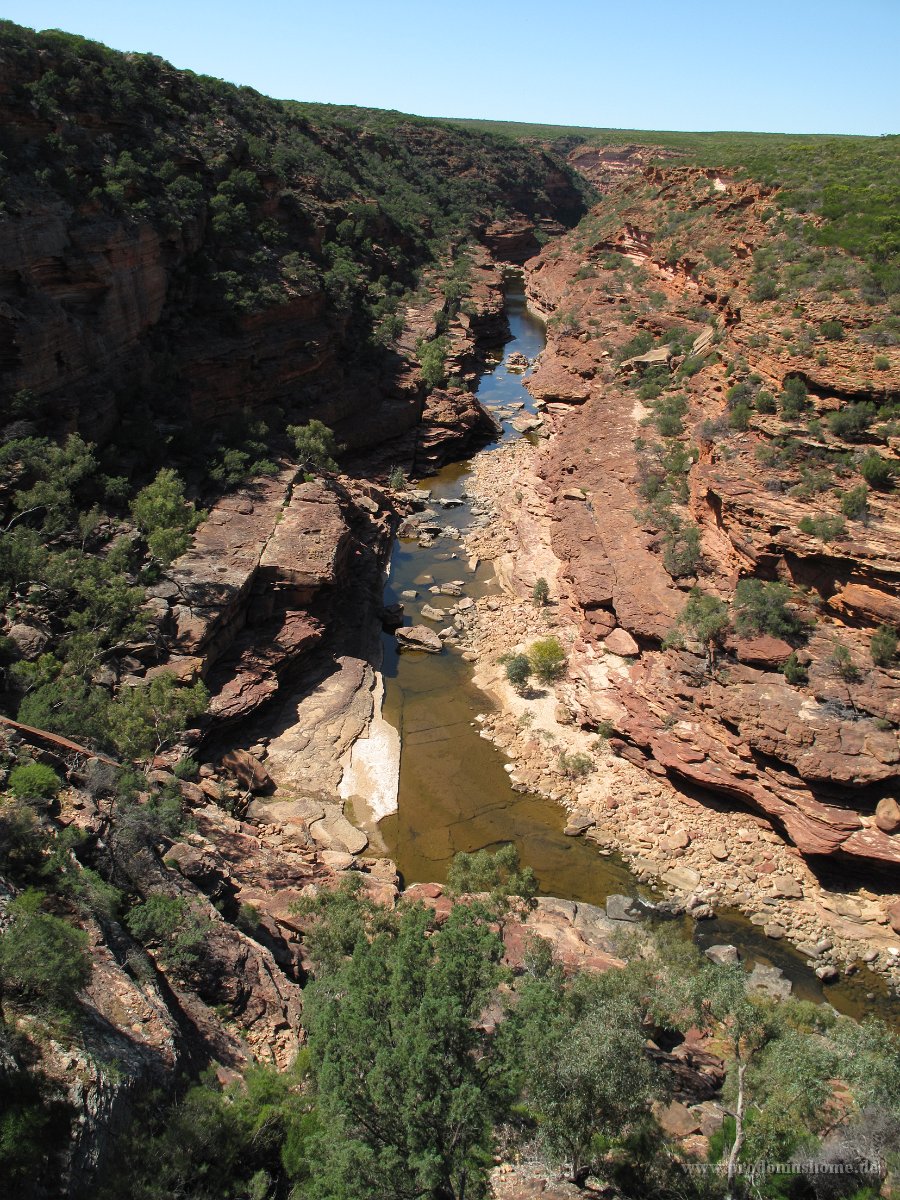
pixel 814 757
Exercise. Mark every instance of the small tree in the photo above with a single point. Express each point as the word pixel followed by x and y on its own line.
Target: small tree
pixel 498 873
pixel 762 608
pixel 877 471
pixel 42 959
pixel 547 659
pixel 707 618
pixel 855 502
pixel 146 718
pixel 883 646
pixel 163 515
pixel 518 672
pixel 315 446
pixel 540 593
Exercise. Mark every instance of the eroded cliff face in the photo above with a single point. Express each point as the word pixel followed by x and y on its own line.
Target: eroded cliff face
pixel 193 249
pixel 626 476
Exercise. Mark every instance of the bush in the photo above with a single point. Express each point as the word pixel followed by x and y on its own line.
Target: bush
pixel 547 659
pixel 842 663
pixel 43 959
pixel 765 402
pixel 518 672
pixel 739 417
pixel 827 527
pixel 852 421
pixel 762 608
pixel 855 502
pixel 706 617
pixel 432 356
pixel 499 872
pixel 882 362
pixel 315 446
pixel 832 330
pixel 540 593
pixel 163 515
pixel 681 549
pixel 793 398
pixel 793 671
pixel 173 927
pixel 883 646
pixel 576 765
pixel 763 287
pixel 33 781
pixel 144 719
pixel 877 471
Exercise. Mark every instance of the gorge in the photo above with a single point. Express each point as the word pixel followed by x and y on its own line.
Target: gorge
pixel 287 386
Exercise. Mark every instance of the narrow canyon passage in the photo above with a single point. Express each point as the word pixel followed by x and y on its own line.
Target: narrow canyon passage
pixel 455 794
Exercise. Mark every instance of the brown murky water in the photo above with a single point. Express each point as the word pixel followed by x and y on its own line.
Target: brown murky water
pixel 454 792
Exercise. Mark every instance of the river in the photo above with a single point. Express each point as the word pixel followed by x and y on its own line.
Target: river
pixel 454 792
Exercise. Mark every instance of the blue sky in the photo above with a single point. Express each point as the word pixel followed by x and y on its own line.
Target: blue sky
pixel 795 66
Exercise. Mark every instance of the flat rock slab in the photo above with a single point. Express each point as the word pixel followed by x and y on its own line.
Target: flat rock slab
pixel 769 981
pixel 307 545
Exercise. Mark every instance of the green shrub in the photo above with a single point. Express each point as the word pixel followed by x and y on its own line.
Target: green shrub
pixel 765 402
pixel 855 502
pixel 762 608
pixel 763 287
pixel 882 362
pixel 681 549
pixel 540 593
pixel 499 872
pixel 547 659
pixel 878 472
pixel 793 398
pixel 793 671
pixel 832 330
pixel 883 646
pixel 843 665
pixel 575 765
pixel 172 926
pixel 315 446
pixel 43 959
pixel 518 672
pixel 739 417
pixel 186 768
pixel 827 527
pixel 163 515
pixel 432 357
pixel 852 421
pixel 33 781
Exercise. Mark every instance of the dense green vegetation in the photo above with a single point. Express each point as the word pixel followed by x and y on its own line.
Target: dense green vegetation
pixel 406 1090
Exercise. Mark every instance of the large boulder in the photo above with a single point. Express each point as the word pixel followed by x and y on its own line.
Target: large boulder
pixel 419 637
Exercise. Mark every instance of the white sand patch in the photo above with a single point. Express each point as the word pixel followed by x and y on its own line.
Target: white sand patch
pixel 372 764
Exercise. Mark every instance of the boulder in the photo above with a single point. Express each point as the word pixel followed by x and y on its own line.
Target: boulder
pixel 622 643
pixel 786 887
pixel 248 770
pixel 433 614
pixel 419 637
pixel 887 815
pixel 723 956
